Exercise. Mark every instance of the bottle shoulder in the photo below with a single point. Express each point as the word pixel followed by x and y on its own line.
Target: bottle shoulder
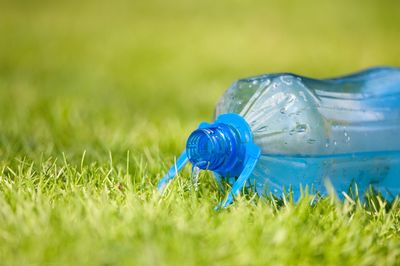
pixel 281 111
pixel 292 114
pixel 379 86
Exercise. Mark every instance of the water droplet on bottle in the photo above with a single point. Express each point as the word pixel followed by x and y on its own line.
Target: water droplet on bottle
pixel 262 128
pixel 335 143
pixel 311 141
pixel 266 83
pixel 255 82
pixel 286 79
pixel 300 128
pixel 283 110
pixel 303 96
pixel 347 137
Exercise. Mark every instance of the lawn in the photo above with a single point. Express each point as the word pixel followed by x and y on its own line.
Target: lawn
pixel 97 98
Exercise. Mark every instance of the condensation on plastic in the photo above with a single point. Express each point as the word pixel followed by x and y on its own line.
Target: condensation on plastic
pixel 313 132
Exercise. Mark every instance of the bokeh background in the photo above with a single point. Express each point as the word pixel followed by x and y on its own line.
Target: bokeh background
pixel 97 97
pixel 76 75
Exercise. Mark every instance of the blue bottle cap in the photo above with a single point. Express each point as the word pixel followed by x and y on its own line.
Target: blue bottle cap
pixel 225 147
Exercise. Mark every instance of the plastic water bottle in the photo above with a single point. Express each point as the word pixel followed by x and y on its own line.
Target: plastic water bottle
pixel 283 133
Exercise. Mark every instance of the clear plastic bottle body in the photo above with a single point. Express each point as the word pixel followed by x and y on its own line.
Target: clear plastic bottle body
pixel 315 132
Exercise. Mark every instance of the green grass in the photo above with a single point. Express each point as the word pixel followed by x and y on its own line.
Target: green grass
pixel 96 99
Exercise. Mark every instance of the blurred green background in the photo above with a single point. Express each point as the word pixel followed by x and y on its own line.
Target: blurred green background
pixel 78 74
pixel 101 95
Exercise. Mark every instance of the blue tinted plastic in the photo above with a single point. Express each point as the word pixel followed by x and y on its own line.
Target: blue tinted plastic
pixel 225 147
pixel 282 132
pixel 312 132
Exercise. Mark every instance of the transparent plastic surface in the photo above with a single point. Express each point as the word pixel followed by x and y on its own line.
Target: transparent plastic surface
pixel 313 132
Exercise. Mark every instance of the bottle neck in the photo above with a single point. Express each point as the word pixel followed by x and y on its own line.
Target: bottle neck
pixel 226 147
pixel 217 148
